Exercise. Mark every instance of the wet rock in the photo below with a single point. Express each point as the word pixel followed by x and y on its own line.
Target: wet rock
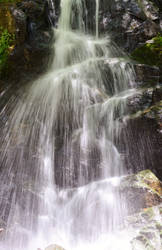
pixel 141 100
pixel 130 22
pixel 147 228
pixel 54 247
pixel 141 33
pixel 146 75
pixel 157 95
pixel 28 21
pixel 145 179
pixel 20 22
pixel 154 112
pixel 33 9
pixel 37 22
pixel 141 141
pixel 143 126
pixel 144 187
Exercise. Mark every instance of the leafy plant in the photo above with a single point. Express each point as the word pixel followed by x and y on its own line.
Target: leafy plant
pixel 6 40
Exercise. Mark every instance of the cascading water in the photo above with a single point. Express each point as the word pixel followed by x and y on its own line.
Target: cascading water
pixel 59 162
pixel 97 17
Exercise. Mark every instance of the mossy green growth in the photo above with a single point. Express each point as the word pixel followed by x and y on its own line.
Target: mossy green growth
pixel 6 40
pixel 150 53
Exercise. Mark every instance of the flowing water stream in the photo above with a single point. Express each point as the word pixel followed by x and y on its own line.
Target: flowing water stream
pixel 59 163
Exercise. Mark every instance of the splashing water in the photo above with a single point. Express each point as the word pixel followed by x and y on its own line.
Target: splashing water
pixel 58 145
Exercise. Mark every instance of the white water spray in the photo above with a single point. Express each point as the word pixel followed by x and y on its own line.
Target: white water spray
pixel 59 145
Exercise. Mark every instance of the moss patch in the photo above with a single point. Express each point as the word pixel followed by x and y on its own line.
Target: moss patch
pixel 149 53
pixel 6 45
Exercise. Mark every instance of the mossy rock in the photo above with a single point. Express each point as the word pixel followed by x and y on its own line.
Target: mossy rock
pixel 143 179
pixel 12 33
pixel 153 112
pixel 6 19
pixel 147 179
pixel 150 53
pixel 144 187
pixel 6 46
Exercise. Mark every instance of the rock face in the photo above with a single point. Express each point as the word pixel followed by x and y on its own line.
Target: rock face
pixel 144 219
pixel 142 140
pixel 144 188
pixel 6 18
pixel 29 22
pixel 146 75
pixel 130 22
pixel 143 125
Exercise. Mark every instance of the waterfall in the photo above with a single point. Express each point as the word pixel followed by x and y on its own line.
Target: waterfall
pixel 97 17
pixel 59 162
pixel 51 10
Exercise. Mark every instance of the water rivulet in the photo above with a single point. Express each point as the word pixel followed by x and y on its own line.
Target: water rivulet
pixel 59 162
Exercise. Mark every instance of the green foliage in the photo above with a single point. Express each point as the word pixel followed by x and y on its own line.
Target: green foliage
pixel 150 53
pixel 6 40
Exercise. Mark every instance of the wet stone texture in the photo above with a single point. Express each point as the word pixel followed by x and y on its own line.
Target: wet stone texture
pixel 130 22
pixel 146 150
pixel 146 75
pixel 144 188
pixel 145 222
pixel 148 227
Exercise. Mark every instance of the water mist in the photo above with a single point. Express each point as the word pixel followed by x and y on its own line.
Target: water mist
pixel 60 165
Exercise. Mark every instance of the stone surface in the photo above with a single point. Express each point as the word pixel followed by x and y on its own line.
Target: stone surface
pixel 28 20
pixel 141 142
pixel 147 76
pixel 141 137
pixel 54 247
pixel 147 229
pixel 144 188
pixel 129 22
pixel 6 19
